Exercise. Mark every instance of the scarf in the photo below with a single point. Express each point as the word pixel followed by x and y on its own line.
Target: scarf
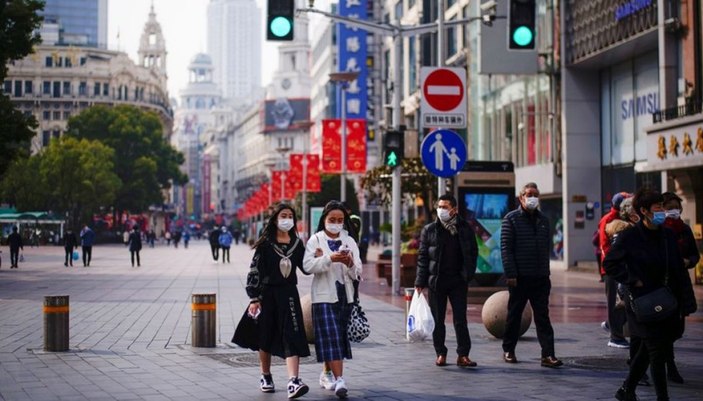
pixel 450 225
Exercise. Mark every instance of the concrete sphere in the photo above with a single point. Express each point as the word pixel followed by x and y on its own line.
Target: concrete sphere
pixel 495 313
pixel 306 305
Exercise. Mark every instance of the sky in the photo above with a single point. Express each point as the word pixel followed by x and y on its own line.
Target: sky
pixel 183 23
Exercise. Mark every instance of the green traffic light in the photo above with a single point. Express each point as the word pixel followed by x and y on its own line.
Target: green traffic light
pixel 392 159
pixel 522 36
pixel 280 26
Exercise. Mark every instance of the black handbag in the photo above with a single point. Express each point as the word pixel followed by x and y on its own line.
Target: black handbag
pixel 654 306
pixel 247 333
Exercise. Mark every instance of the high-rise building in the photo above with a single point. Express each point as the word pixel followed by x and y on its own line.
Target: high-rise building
pixel 75 22
pixel 234 43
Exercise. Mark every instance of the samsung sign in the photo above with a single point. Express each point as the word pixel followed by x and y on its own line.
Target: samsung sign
pixel 631 7
pixel 634 107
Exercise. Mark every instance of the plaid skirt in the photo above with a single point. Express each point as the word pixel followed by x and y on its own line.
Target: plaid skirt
pixel 330 322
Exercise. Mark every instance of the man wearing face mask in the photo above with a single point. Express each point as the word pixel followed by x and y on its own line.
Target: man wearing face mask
pixel 525 245
pixel 446 263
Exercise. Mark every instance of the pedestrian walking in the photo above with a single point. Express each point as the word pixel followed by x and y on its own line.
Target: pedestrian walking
pixel 167 236
pixel 214 238
pixel 135 244
pixel 186 239
pixel 689 252
pixel 87 240
pixel 177 238
pixel 333 257
pixel 272 289
pixel 645 259
pixel 446 263
pixel 151 238
pixel 236 234
pixel 70 243
pixel 616 317
pixel 14 241
pixel 525 245
pixel 225 241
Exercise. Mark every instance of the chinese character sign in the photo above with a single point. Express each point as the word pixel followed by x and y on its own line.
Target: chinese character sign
pixel 332 146
pixel 352 58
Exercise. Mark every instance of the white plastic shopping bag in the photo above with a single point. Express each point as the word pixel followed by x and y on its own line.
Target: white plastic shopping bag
pixel 420 324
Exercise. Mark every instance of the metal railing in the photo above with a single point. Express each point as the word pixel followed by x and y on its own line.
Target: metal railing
pixel 691 107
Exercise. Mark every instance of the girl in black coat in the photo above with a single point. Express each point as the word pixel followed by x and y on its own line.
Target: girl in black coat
pixel 135 244
pixel 70 243
pixel 645 258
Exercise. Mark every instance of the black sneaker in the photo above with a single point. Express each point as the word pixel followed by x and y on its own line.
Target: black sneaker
pixel 266 384
pixel 296 388
pixel 624 395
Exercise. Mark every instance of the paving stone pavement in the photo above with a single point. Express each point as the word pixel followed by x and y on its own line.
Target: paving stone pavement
pixel 130 340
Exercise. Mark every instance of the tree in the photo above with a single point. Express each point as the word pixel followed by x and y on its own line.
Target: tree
pixel 415 181
pixel 71 177
pixel 19 23
pixel 145 163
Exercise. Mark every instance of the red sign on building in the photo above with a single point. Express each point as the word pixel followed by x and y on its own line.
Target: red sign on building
pixel 332 146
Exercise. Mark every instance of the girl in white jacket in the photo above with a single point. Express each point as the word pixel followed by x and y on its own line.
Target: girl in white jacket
pixel 333 257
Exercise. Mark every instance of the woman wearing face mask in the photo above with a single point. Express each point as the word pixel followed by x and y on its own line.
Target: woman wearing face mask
pixel 689 252
pixel 645 258
pixel 333 257
pixel 275 303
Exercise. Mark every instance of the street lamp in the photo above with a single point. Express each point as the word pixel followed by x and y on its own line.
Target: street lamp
pixel 344 78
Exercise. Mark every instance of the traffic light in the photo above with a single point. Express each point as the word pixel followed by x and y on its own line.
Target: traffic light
pixel 393 148
pixel 521 25
pixel 279 21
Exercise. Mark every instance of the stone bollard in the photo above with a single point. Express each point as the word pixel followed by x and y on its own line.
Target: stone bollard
pixel 408 298
pixel 495 314
pixel 204 320
pixel 56 323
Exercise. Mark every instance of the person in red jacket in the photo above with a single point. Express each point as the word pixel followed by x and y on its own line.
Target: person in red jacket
pixel 616 320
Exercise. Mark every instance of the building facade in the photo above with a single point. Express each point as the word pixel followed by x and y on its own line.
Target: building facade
pixel 75 22
pixel 234 43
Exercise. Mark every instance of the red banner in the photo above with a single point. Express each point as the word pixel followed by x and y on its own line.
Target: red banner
pixel 295 174
pixel 332 149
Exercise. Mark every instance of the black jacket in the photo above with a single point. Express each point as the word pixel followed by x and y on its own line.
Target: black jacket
pixel 265 269
pixel 525 243
pixel 135 241
pixel 70 241
pixel 647 255
pixel 214 238
pixel 14 240
pixel 430 252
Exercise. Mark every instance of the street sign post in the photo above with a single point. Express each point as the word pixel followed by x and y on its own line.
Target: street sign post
pixel 443 97
pixel 443 153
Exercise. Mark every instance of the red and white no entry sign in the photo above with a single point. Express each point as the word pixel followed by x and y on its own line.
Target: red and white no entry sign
pixel 443 102
pixel 443 89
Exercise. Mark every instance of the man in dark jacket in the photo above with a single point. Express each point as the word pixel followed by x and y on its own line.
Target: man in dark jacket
pixel 14 240
pixel 214 239
pixel 446 263
pixel 87 240
pixel 525 245
pixel 70 243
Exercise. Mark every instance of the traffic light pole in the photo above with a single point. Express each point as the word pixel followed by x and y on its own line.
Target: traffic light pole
pixel 398 32
pixel 440 63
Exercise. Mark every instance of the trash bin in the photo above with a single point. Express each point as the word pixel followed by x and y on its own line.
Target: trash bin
pixel 204 309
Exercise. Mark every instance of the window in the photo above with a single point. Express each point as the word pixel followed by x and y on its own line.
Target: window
pixel 46 115
pixel 46 88
pixel 66 115
pixel 49 61
pixel 66 88
pixel 59 61
pixel 106 89
pixel 69 62
pixel 398 10
pixel 450 3
pixel 56 133
pixel 18 88
pixel 412 64
pixel 96 89
pixel 28 87
pixel 57 89
pixel 83 60
pixel 8 86
pixel 57 115
pixel 83 88
pixel 451 41
pixel 45 138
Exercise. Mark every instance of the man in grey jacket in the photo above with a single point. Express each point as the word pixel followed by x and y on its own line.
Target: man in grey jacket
pixel 446 263
pixel 525 245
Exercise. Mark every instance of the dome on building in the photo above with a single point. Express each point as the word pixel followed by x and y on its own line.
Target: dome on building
pixel 201 58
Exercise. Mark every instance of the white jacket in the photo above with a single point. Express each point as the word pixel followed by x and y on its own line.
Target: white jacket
pixel 323 289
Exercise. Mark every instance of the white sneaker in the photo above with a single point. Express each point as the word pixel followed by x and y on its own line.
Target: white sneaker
pixel 266 384
pixel 296 388
pixel 340 388
pixel 327 380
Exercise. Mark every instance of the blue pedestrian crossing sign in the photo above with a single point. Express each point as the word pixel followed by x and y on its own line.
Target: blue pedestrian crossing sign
pixel 443 153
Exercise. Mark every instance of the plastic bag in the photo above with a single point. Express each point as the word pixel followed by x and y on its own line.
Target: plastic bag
pixel 420 324
pixel 75 255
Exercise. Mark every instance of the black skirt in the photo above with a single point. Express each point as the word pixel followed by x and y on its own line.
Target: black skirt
pixel 281 327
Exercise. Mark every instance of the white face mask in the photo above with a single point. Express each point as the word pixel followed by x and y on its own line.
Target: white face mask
pixel 285 224
pixel 443 214
pixel 673 214
pixel 532 202
pixel 334 228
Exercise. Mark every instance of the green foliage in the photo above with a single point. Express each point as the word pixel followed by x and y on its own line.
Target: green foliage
pixel 72 177
pixel 144 161
pixel 18 34
pixel 415 181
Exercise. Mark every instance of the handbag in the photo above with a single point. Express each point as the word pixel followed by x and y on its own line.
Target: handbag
pixel 358 328
pixel 247 333
pixel 654 306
